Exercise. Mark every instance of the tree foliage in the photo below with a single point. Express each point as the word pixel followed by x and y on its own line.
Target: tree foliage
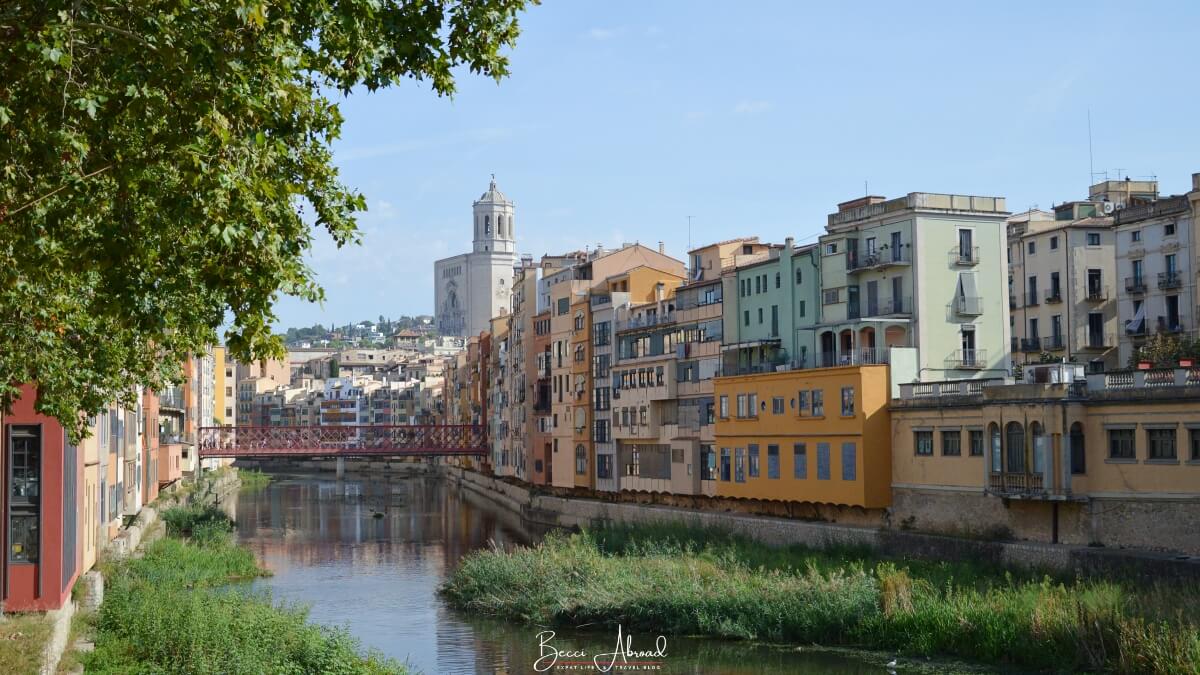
pixel 164 163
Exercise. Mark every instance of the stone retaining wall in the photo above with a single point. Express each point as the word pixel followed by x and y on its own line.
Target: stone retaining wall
pixel 558 511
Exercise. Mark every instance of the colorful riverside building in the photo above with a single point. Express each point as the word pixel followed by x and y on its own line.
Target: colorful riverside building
pixel 816 338
pixel 1108 459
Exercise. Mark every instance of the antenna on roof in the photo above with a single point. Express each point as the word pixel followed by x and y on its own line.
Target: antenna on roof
pixel 689 233
pixel 1091 161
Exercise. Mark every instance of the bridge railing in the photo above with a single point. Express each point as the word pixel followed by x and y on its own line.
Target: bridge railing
pixel 350 440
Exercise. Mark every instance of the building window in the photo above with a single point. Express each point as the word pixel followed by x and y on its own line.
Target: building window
pixel 1078 455
pixel 1032 248
pixel 1093 238
pixel 801 308
pixel 802 402
pixel 760 316
pixel 603 466
pixel 1194 443
pixel 818 402
pixel 1161 443
pixel 1169 229
pixel 753 453
pixel 24 497
pixel 951 443
pixel 724 403
pixel 741 405
pixel 799 461
pixel 1121 444
pixel 799 276
pixel 739 465
pixel 1136 235
pixel 1053 243
pixel 777 405
pixel 564 306
pixel 772 461
pixel 830 296
pixel 849 461
pixel 923 442
pixel 976 440
pixel 746 317
pixel 633 467
pixel 708 463
pixel 823 471
pixel 777 280
pixel 725 464
pixel 847 401
pixel 831 249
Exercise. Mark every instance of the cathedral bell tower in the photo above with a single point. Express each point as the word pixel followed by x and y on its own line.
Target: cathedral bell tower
pixel 494 225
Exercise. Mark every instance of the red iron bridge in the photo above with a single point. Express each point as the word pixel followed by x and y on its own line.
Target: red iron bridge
pixel 376 440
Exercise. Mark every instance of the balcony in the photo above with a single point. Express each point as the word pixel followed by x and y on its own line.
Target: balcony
pixel 967 359
pixel 648 321
pixel 1135 284
pixel 1053 343
pixel 1099 341
pixel 968 305
pixel 1031 299
pixel 1053 296
pixel 1032 344
pixel 964 256
pixel 1096 293
pixel 1011 484
pixel 171 398
pixel 1169 280
pixel 856 357
pixel 862 260
pixel 923 390
pixel 889 307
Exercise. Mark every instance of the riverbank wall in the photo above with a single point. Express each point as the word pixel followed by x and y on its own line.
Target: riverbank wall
pixel 539 508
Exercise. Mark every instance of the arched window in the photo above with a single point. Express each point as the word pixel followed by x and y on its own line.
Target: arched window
pixel 500 226
pixel 580 460
pixel 487 226
pixel 1038 432
pixel 1015 441
pixel 1078 455
pixel 997 452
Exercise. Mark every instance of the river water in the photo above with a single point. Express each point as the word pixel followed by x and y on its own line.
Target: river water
pixel 378 576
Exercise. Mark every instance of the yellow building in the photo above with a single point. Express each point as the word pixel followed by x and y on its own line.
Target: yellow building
pixel 819 436
pixel 1112 459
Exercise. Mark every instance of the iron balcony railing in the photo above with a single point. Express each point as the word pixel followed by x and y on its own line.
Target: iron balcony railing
pixel 1053 295
pixel 1097 293
pixel 646 321
pixel 968 305
pixel 1053 343
pixel 1169 280
pixel 864 259
pixel 855 357
pixel 967 359
pixel 964 255
pixel 888 307
pixel 1032 344
pixel 1135 284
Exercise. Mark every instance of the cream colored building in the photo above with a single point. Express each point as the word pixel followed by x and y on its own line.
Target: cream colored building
pixel 1062 280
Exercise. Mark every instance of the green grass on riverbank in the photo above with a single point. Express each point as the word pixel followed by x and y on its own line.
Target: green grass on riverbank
pixel 253 480
pixel 681 581
pixel 172 611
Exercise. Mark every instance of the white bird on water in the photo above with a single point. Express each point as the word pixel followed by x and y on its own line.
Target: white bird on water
pixel 891 664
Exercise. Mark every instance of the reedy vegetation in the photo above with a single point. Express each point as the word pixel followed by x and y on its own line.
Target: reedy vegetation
pixel 680 581
pixel 173 611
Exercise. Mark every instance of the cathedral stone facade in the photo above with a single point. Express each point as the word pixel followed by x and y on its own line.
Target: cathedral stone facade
pixel 471 288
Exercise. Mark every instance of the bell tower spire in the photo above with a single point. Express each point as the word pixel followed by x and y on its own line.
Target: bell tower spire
pixel 495 227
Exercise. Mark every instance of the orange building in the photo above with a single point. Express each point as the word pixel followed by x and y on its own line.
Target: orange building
pixel 820 435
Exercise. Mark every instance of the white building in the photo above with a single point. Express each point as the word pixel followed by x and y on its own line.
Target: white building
pixel 471 288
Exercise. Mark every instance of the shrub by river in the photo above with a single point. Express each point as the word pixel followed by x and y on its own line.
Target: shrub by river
pixel 682 581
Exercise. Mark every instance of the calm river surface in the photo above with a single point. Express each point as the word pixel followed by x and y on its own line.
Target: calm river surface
pixel 377 577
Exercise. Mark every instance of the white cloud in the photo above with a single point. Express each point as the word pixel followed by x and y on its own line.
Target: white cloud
pixel 748 107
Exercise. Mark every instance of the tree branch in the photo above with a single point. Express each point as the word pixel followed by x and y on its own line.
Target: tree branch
pixel 57 190
pixel 114 29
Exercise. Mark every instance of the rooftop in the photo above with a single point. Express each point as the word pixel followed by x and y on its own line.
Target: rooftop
pixel 866 208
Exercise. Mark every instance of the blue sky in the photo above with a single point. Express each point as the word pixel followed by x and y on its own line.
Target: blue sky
pixel 621 119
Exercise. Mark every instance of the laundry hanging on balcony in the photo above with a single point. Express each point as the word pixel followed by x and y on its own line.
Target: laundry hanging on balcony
pixel 1134 325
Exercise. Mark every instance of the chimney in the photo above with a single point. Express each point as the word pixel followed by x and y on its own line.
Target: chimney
pixel 1196 181
pixel 659 291
pixel 788 244
pixel 662 249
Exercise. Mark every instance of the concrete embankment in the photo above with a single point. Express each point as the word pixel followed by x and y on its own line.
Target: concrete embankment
pixel 550 510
